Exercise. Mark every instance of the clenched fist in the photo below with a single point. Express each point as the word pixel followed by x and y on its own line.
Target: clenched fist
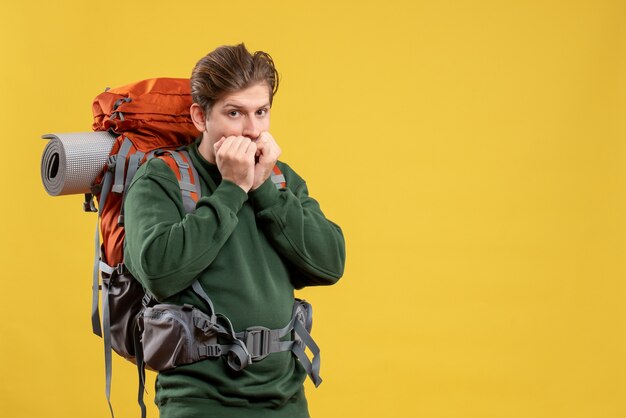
pixel 267 152
pixel 234 157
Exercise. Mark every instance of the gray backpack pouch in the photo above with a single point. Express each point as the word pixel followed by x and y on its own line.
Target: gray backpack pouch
pixel 173 335
pixel 124 295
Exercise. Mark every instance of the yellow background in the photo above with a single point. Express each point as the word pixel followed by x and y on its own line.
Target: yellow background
pixel 473 152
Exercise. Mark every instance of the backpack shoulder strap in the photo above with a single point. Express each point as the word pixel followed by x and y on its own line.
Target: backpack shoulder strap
pixel 180 163
pixel 187 175
pixel 278 178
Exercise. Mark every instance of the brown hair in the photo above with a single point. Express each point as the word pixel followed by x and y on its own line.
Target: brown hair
pixel 228 69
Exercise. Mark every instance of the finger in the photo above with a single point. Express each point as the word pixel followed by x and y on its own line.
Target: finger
pixel 261 141
pixel 225 145
pixel 261 144
pixel 218 144
pixel 251 150
pixel 246 145
pixel 242 144
pixel 267 137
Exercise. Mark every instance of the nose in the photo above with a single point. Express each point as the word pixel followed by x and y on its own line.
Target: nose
pixel 251 128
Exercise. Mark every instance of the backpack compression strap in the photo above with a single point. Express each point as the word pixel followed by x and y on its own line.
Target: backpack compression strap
pixel 120 165
pixel 133 165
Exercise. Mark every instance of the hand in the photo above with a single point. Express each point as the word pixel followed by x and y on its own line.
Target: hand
pixel 234 157
pixel 267 152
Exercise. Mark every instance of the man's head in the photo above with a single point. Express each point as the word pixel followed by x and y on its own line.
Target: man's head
pixel 232 93
pixel 228 69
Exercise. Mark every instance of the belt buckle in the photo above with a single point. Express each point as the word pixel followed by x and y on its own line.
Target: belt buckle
pixel 257 341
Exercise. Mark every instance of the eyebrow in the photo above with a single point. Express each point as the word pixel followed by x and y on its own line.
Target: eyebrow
pixel 238 106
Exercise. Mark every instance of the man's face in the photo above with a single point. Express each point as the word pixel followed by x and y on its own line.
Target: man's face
pixel 242 113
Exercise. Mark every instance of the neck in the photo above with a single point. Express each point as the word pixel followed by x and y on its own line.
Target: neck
pixel 206 150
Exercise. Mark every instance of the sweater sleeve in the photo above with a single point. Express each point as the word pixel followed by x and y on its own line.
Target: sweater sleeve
pixel 166 248
pixel 299 231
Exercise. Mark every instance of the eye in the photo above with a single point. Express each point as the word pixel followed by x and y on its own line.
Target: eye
pixel 233 113
pixel 261 112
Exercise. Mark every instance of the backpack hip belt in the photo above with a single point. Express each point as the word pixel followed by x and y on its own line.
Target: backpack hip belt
pixel 173 335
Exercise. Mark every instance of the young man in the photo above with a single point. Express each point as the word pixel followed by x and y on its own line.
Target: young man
pixel 248 243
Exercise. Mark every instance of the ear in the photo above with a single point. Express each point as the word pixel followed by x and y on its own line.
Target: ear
pixel 197 117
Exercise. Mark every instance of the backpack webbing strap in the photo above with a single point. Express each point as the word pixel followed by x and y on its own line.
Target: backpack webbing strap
pixel 133 165
pixel 103 330
pixel 95 315
pixel 278 178
pixel 200 292
pixel 312 367
pixel 188 185
pixel 106 324
pixel 194 172
pixel 105 268
pixel 261 341
pixel 237 355
pixel 120 165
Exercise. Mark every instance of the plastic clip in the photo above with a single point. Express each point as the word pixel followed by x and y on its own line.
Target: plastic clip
pixel 203 324
pixel 147 298
pixel 120 269
pixel 209 351
pixel 257 341
pixel 111 162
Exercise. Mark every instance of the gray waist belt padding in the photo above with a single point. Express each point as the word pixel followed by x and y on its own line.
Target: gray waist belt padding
pixel 71 161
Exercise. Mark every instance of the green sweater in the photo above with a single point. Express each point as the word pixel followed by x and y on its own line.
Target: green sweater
pixel 248 251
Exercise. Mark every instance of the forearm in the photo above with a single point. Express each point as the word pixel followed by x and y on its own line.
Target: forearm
pixel 165 248
pixel 300 232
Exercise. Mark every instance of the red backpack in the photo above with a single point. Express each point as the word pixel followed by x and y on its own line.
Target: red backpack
pixel 146 116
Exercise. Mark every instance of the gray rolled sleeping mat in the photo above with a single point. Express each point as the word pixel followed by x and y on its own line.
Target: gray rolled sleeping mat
pixel 71 161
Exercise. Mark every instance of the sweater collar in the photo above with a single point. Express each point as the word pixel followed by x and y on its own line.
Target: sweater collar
pixel 206 170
